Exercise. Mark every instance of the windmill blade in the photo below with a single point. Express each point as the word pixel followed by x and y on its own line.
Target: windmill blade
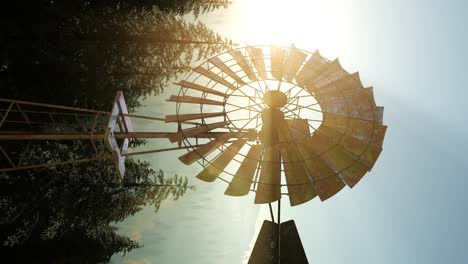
pixel 378 110
pixel 347 97
pixel 363 150
pixel 192 132
pixel 362 105
pixel 269 185
pixel 298 129
pixel 278 56
pixel 311 68
pixel 213 76
pixel 350 103
pixel 328 73
pixel 293 63
pixel 215 168
pixel 354 173
pixel 223 67
pixel 379 114
pixel 360 129
pixel 258 60
pixel 240 184
pixel 300 186
pixel 347 82
pixel 370 94
pixel 200 88
pixel 348 156
pixel 368 153
pixel 299 183
pixel 187 117
pixel 342 161
pixel 204 150
pixel 242 62
pixel 325 180
pixel 193 100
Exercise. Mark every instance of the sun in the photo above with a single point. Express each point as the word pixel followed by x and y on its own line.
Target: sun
pixel 280 22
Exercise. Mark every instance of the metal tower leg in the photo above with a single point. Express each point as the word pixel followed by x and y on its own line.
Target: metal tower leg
pixel 279 232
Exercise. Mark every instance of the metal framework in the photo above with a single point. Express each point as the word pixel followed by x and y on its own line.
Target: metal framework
pixel 24 123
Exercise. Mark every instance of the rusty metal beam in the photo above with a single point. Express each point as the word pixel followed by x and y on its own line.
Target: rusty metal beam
pixel 78 136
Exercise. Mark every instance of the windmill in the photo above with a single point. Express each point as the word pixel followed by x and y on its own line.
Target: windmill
pixel 278 122
pixel 275 121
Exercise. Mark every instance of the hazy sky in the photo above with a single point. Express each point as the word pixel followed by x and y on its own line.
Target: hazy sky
pixel 412 207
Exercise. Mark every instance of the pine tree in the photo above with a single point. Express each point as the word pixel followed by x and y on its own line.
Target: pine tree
pixel 100 51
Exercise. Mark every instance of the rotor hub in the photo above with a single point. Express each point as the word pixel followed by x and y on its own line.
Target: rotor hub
pixel 275 99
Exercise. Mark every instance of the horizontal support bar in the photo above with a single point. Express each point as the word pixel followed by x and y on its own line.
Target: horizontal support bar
pixel 78 136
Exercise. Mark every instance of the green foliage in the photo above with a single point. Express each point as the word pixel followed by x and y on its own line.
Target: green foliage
pixel 80 200
pixel 83 53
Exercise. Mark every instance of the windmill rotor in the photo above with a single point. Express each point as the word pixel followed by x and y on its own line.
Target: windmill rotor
pixel 277 121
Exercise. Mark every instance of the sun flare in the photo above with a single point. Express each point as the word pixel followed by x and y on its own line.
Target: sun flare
pixel 281 22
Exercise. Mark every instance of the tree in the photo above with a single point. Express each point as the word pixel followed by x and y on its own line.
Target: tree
pixel 141 50
pixel 61 204
pixel 99 51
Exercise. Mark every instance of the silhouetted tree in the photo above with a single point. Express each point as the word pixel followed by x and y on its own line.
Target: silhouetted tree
pixel 98 51
pixel 47 206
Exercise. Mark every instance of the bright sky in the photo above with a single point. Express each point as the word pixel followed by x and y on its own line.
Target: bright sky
pixel 412 207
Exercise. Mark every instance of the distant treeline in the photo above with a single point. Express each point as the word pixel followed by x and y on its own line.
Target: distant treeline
pixel 79 53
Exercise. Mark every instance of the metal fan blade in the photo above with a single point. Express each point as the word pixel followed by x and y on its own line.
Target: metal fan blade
pixel 269 185
pixel 200 88
pixel 299 183
pixel 370 94
pixel 215 168
pixel 378 110
pixel 326 183
pixel 293 63
pixel 213 76
pixel 354 173
pixel 362 104
pixel 278 56
pixel 191 132
pixel 379 114
pixel 338 158
pixel 300 186
pixel 363 150
pixel 240 184
pixel 347 82
pixel 193 100
pixel 353 103
pixel 298 129
pixel 258 60
pixel 360 129
pixel 223 67
pixel 187 117
pixel 346 96
pixel 204 150
pixel 328 73
pixel 311 68
pixel 242 62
